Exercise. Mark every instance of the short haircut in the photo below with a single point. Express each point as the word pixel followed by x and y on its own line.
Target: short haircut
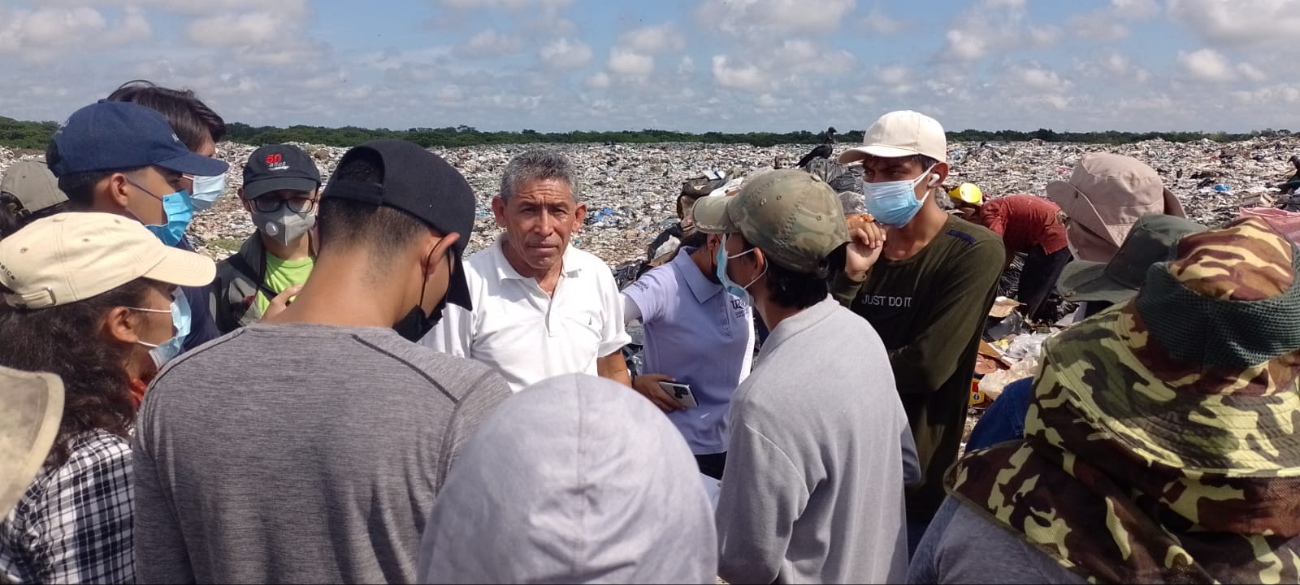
pixel 385 231
pixel 797 290
pixel 80 187
pixel 193 121
pixel 539 165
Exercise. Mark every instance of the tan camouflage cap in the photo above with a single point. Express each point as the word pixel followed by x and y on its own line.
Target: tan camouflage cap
pixel 1200 371
pixel 31 408
pixel 792 216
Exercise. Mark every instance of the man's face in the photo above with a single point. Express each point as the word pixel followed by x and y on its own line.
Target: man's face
pixel 146 189
pixel 539 220
pixel 296 201
pixel 908 168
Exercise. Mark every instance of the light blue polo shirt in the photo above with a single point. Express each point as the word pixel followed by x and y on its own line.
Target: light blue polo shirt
pixel 699 335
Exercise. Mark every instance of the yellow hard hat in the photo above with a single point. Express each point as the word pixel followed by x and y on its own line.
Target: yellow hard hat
pixel 968 193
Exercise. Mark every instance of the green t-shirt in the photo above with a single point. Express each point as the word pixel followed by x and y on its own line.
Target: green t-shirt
pixel 282 274
pixel 930 311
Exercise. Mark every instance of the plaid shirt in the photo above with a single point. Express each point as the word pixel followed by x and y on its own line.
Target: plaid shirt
pixel 73 524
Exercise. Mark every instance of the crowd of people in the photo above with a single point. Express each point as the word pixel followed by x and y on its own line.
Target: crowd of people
pixel 352 398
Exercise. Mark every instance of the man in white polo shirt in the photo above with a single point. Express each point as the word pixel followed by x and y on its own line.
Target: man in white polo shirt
pixel 541 307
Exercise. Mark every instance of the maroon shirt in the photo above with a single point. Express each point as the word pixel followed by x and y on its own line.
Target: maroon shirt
pixel 1024 221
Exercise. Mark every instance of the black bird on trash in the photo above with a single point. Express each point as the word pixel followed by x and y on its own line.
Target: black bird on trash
pixel 823 150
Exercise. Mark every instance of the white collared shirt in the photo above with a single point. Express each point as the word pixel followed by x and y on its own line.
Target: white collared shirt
pixel 524 333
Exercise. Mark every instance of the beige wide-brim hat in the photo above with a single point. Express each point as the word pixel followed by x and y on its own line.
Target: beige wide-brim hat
pixel 31 408
pixel 1105 196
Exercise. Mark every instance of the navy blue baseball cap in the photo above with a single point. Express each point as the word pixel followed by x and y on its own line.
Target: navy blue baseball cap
pixel 110 136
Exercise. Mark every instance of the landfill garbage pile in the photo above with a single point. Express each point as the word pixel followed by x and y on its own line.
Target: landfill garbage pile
pixel 630 189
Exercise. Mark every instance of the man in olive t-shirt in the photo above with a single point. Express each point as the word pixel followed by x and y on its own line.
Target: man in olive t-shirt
pixel 925 281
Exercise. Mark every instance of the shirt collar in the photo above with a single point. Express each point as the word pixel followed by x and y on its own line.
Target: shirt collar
pixel 505 271
pixel 700 285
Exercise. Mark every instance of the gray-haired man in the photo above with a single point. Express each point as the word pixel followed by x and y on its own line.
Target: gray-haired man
pixel 541 307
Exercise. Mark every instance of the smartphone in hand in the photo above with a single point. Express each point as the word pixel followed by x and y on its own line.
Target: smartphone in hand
pixel 681 392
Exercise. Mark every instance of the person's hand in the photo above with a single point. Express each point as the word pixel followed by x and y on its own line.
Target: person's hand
pixel 281 301
pixel 648 386
pixel 866 242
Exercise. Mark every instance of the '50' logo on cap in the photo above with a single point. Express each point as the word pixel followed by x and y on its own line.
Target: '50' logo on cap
pixel 275 162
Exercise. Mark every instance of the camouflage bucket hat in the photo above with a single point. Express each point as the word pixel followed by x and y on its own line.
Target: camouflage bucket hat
pixel 1200 371
pixel 793 217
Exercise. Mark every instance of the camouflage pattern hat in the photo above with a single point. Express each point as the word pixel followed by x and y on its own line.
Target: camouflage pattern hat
pixel 793 217
pixel 1152 454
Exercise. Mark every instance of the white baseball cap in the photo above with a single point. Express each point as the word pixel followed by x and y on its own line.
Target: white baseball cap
pixel 71 257
pixel 900 134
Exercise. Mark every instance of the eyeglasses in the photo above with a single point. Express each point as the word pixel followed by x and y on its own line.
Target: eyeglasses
pixel 272 204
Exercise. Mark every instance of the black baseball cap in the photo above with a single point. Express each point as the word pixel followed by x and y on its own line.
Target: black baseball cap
pixel 112 136
pixel 422 184
pixel 276 167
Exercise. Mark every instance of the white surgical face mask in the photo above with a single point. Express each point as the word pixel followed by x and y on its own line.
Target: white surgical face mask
pixel 207 190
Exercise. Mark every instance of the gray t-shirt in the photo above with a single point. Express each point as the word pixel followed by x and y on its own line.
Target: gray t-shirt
pixel 299 453
pixel 819 456
pixel 961 546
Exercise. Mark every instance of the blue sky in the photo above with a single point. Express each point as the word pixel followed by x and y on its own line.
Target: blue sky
pixel 698 65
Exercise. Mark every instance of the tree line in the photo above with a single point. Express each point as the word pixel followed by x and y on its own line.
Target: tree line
pixel 36 135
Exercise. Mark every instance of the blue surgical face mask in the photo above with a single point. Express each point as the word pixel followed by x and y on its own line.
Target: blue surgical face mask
pixel 740 292
pixel 168 350
pixel 894 203
pixel 207 190
pixel 179 210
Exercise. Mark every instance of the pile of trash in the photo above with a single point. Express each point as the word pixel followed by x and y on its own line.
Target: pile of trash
pixel 631 189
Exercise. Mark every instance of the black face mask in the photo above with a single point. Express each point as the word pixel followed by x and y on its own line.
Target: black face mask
pixel 415 325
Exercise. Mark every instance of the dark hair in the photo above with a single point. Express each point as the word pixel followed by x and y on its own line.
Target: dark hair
pixel 386 231
pixel 80 187
pixel 925 162
pixel 796 290
pixel 14 217
pixel 67 341
pixel 193 121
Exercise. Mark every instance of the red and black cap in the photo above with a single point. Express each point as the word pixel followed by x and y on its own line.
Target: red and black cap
pixel 279 167
pixel 422 184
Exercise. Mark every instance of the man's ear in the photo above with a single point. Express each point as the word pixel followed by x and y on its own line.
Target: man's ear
pixel 119 325
pixel 117 186
pixel 940 169
pixel 499 210
pixel 435 253
pixel 579 216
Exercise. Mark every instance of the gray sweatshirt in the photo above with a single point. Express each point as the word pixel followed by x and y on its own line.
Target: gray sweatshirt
pixel 574 480
pixel 299 453
pixel 819 457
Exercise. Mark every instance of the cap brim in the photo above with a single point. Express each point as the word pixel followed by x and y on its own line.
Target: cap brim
pixel 195 164
pixel 183 268
pixel 1087 281
pixel 259 188
pixel 458 286
pixel 856 154
pixel 711 217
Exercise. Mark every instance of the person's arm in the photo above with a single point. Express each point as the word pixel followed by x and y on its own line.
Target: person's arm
pixel 614 368
pixel 762 495
pixel 613 332
pixel 158 539
pixel 959 312
pixel 82 525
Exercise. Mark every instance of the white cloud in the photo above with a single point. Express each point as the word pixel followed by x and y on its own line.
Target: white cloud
pixel 1271 23
pixel 746 77
pixel 653 39
pixel 893 75
pixel 1112 22
pixel 1136 9
pixel 769 102
pixel 41 34
pixel 877 22
pixel 686 66
pixel 1040 79
pixel 492 43
pixel 598 80
pixel 630 64
pixel 1251 72
pixel 566 54
pixel 756 18
pixel 1206 65
pixel 995 26
pixel 237 30
pixel 506 4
